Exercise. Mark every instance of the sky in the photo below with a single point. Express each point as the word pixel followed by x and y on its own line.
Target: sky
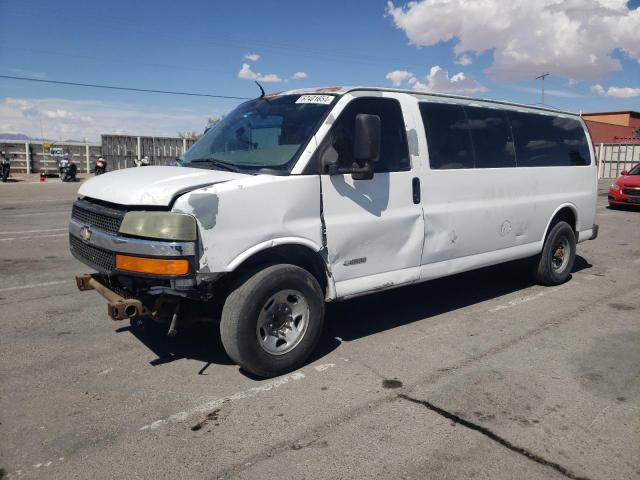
pixel 481 48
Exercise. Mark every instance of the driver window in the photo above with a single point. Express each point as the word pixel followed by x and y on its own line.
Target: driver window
pixel 394 154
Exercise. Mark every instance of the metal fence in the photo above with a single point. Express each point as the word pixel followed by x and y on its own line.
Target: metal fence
pixel 37 156
pixel 615 157
pixel 121 151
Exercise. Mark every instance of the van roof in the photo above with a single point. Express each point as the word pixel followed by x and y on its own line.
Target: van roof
pixel 341 90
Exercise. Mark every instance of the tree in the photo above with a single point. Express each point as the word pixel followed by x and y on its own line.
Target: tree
pixel 189 135
pixel 637 132
pixel 213 121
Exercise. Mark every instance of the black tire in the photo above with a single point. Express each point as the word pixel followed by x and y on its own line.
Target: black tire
pixel 548 269
pixel 248 300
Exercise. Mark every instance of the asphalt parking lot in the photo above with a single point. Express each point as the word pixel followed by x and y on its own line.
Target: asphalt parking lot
pixel 481 375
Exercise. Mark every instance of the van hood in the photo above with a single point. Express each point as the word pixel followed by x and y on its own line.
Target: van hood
pixel 151 186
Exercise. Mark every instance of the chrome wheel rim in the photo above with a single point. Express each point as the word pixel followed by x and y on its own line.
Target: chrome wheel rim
pixel 560 255
pixel 282 322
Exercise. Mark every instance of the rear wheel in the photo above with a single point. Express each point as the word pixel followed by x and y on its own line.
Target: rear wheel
pixel 553 266
pixel 272 321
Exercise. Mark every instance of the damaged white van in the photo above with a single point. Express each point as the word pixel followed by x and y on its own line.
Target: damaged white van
pixel 299 198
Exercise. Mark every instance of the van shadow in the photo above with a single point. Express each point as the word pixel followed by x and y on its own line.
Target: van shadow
pixel 200 341
pixel 364 316
pixel 352 319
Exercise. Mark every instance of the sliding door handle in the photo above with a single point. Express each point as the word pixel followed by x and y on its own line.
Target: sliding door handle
pixel 416 190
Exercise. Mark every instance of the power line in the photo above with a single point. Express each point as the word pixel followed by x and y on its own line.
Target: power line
pixel 130 89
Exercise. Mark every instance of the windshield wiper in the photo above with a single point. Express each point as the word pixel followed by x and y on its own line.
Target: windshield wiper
pixel 231 167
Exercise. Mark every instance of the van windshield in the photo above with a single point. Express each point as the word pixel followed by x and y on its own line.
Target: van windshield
pixel 265 133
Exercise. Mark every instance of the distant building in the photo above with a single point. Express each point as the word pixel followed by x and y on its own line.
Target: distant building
pixel 613 127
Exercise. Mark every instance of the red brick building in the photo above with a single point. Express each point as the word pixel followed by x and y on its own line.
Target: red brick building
pixel 613 127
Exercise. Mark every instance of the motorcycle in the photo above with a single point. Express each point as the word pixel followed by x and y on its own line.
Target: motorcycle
pixel 143 162
pixel 101 166
pixel 67 170
pixel 6 166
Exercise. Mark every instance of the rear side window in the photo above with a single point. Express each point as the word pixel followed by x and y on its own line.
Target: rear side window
pixel 491 137
pixel 548 141
pixel 448 136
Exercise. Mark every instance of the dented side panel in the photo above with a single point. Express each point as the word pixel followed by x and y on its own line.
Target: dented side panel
pixel 478 217
pixel 237 216
pixel 374 230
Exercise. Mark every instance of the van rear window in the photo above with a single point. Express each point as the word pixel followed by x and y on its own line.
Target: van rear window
pixel 491 137
pixel 448 136
pixel 478 137
pixel 548 141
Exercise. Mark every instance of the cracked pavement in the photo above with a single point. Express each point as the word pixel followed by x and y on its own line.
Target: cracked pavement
pixel 481 375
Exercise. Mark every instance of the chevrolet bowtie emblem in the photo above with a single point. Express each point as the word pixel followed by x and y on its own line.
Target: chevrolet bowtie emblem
pixel 85 234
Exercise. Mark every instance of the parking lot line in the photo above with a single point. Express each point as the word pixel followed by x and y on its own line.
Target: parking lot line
pixel 528 298
pixel 34 285
pixel 33 238
pixel 216 403
pixel 35 231
pixel 33 214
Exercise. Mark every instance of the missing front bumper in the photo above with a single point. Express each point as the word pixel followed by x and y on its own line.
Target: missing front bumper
pixel 118 308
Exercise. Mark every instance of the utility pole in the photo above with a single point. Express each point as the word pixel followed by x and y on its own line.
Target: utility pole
pixel 541 78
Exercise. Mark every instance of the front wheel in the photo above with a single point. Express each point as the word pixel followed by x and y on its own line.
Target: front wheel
pixel 272 321
pixel 553 266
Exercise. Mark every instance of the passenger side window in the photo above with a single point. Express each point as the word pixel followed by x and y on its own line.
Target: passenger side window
pixel 394 154
pixel 448 136
pixel 491 137
pixel 548 141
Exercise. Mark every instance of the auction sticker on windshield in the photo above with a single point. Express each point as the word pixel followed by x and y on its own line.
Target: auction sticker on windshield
pixel 321 99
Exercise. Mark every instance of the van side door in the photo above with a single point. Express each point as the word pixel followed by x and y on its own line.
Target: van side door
pixel 375 227
pixel 476 201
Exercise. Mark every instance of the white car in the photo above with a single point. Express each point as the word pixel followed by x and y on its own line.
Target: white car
pixel 308 196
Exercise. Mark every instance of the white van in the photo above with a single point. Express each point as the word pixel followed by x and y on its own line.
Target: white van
pixel 308 196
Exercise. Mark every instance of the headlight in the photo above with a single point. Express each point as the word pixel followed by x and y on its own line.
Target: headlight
pixel 161 225
pixel 615 186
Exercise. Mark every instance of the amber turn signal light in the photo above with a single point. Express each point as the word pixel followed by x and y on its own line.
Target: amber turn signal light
pixel 154 266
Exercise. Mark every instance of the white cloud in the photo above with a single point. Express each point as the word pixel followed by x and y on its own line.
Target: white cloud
pixel 398 76
pixel 64 119
pixel 616 92
pixel 248 74
pixel 299 75
pixel 572 39
pixel 464 60
pixel 252 57
pixel 438 80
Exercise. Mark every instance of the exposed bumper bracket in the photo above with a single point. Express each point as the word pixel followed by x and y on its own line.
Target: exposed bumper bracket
pixel 119 308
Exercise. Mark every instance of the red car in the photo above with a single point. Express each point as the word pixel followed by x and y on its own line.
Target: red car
pixel 625 191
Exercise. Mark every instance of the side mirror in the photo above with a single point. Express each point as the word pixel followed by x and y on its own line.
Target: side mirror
pixel 366 150
pixel 366 141
pixel 366 145
pixel 624 173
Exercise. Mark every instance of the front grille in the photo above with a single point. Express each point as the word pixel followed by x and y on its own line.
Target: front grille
pixel 100 218
pixel 96 257
pixel 635 192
